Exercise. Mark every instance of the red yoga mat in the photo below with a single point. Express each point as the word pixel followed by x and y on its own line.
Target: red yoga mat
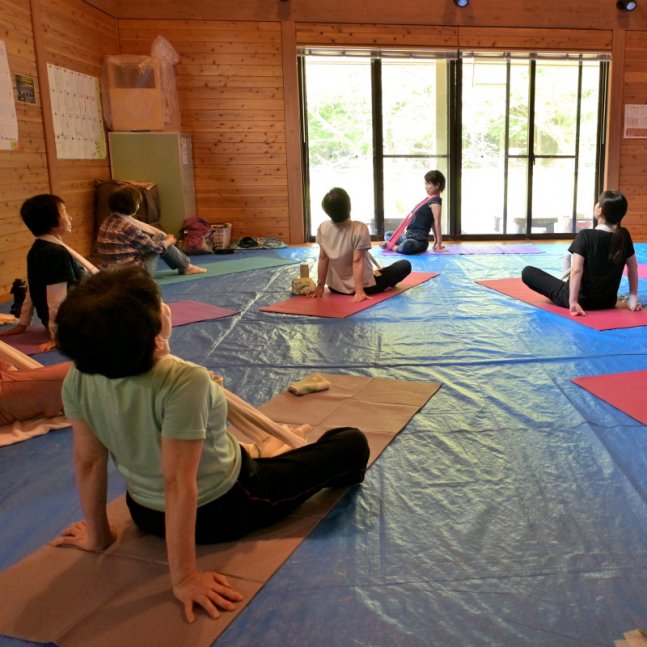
pixel 183 312
pixel 339 306
pixel 618 317
pixel 624 391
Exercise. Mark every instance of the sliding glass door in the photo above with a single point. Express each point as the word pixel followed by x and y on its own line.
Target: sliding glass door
pixel 518 137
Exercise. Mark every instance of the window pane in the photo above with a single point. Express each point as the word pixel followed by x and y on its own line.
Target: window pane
pixel 555 108
pixel 517 196
pixel 414 107
pixel 484 99
pixel 552 197
pixel 519 88
pixel 586 197
pixel 340 140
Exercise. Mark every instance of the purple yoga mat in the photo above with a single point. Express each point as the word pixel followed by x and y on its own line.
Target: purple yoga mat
pixel 470 250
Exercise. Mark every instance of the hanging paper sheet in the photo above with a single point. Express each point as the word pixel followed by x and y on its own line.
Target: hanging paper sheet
pixel 8 120
pixel 76 114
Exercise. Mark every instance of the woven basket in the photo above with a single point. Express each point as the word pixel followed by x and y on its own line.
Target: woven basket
pixel 220 235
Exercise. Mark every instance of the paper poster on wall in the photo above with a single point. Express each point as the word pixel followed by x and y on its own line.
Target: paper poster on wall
pixel 8 119
pixel 635 121
pixel 76 114
pixel 25 88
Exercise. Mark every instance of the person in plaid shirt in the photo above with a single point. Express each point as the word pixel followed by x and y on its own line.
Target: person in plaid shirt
pixel 123 239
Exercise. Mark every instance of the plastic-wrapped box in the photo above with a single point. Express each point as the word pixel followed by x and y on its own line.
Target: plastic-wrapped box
pixel 132 93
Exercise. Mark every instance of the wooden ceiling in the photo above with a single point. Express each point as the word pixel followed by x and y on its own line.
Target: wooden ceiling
pixel 583 14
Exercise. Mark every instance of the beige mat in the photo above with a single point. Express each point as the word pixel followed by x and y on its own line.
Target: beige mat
pixel 123 596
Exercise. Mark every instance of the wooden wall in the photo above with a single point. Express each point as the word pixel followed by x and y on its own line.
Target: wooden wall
pixel 633 152
pixel 23 171
pixel 230 89
pixel 73 35
pixel 237 86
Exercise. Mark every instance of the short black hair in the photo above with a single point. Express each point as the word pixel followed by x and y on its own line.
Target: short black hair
pixel 336 203
pixel 41 213
pixel 436 177
pixel 108 323
pixel 125 200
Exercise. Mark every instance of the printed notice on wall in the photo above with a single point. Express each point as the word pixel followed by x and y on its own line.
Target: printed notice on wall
pixel 76 114
pixel 8 120
pixel 635 121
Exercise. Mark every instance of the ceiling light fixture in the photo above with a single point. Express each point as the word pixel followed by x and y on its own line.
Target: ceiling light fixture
pixel 626 5
pixel 464 3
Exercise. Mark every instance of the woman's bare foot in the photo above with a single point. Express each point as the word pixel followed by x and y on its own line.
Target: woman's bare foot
pixel 194 269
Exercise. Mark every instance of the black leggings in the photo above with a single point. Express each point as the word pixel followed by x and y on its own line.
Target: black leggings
pixel 547 284
pixel 558 291
pixel 268 489
pixel 390 276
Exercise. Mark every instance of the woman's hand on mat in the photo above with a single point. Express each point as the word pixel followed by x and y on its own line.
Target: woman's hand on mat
pixel 77 536
pixel 439 248
pixel 633 304
pixel 359 296
pixel 212 591
pixel 16 330
pixel 47 346
pixel 576 310
pixel 318 292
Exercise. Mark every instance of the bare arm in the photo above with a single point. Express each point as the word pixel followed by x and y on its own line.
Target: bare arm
pixel 437 210
pixel 56 294
pixel 359 260
pixel 210 590
pixel 632 271
pixel 577 269
pixel 91 465
pixel 322 273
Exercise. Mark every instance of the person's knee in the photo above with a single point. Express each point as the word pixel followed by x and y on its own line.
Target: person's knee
pixel 526 274
pixel 355 442
pixel 403 269
pixel 408 246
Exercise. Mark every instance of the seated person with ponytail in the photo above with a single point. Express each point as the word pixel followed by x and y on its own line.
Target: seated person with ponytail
pixel 599 256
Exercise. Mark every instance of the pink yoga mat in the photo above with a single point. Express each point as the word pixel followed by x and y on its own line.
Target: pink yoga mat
pixel 186 312
pixel 642 271
pixel 28 341
pixel 618 317
pixel 183 312
pixel 624 391
pixel 338 306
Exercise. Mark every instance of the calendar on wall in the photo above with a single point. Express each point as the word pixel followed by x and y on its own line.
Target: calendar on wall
pixel 635 126
pixel 76 114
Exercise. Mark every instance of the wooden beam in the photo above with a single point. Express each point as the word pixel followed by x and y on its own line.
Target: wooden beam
pixel 615 108
pixel 43 84
pixel 292 132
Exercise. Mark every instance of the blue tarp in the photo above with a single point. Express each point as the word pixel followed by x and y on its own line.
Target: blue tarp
pixel 510 511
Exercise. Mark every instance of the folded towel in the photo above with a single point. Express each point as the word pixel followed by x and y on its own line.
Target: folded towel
pixel 311 384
